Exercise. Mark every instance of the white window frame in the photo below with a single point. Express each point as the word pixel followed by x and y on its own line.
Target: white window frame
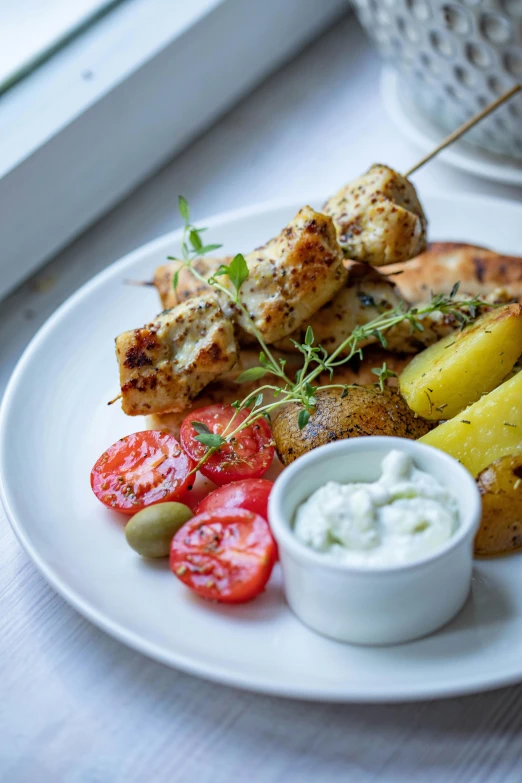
pixel 101 115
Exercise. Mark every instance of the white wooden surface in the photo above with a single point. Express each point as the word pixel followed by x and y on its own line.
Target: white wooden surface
pixel 76 706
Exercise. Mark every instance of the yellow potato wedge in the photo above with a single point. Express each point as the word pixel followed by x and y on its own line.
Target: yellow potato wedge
pixel 489 429
pixel 453 373
pixel 500 485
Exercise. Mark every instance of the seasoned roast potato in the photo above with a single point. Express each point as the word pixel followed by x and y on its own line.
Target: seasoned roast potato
pixel 489 429
pixel 454 372
pixel 500 485
pixel 364 410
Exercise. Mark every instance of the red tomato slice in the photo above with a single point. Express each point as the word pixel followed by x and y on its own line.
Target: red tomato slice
pixel 140 470
pixel 249 456
pixel 225 555
pixel 251 494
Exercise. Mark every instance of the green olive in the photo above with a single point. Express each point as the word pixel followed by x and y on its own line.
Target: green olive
pixel 150 531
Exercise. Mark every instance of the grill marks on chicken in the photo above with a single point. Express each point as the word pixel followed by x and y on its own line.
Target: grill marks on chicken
pixel 165 364
pixel 378 218
pixel 292 276
pixel 366 295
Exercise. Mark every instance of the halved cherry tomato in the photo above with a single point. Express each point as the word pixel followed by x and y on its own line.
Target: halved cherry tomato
pixel 225 555
pixel 140 470
pixel 251 494
pixel 249 456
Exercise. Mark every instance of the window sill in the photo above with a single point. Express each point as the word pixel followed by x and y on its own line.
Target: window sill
pixel 102 115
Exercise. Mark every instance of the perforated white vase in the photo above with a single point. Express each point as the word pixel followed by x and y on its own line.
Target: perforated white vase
pixel 455 58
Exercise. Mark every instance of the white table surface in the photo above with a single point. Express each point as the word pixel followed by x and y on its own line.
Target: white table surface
pixel 77 706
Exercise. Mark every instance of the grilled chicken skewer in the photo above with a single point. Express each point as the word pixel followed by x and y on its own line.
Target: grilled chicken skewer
pixel 164 365
pixel 377 220
pixel 366 294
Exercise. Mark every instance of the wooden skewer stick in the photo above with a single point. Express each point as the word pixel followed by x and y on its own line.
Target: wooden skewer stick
pixel 118 397
pixel 139 282
pixel 464 128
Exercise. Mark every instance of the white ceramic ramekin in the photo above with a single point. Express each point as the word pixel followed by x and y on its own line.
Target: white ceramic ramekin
pixel 363 604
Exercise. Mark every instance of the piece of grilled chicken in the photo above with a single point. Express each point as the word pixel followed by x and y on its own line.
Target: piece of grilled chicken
pixel 366 295
pixel 378 218
pixel 292 276
pixel 165 364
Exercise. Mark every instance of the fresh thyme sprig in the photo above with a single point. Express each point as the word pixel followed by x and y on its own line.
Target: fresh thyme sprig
pixel 383 373
pixel 192 245
pixel 316 360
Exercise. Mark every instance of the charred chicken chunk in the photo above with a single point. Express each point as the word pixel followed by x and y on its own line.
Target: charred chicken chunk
pixel 164 365
pixel 292 276
pixel 366 295
pixel 378 218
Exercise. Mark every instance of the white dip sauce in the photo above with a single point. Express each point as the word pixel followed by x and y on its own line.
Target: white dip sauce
pixel 402 517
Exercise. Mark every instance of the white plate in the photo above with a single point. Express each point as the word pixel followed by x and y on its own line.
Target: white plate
pixel 55 423
pixel 420 130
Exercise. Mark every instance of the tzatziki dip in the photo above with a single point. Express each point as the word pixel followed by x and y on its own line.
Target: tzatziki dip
pixel 402 517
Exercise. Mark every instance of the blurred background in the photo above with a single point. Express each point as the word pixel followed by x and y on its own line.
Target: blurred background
pixel 453 59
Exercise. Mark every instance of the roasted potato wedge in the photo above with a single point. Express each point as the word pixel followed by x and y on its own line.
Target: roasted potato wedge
pixel 364 410
pixel 489 429
pixel 448 376
pixel 500 485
